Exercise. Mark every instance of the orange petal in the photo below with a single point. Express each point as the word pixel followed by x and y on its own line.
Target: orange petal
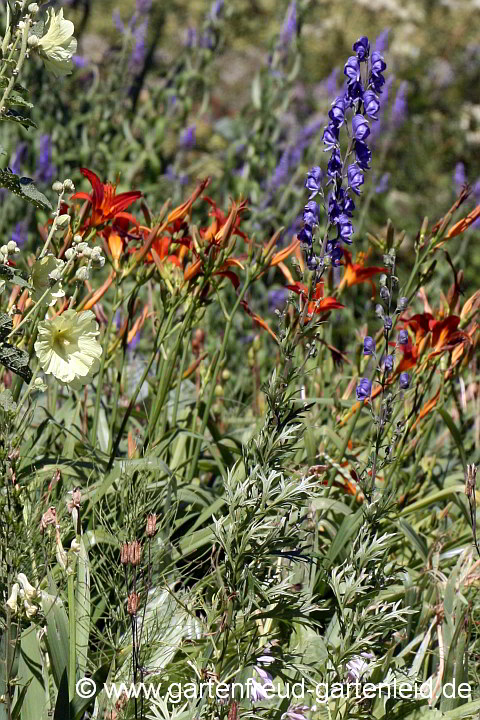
pixel 98 293
pixel 137 325
pixel 258 320
pixel 286 252
pixel 115 245
pixel 192 271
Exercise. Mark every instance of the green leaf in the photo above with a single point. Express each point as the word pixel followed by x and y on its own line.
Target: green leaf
pixel 24 188
pixel 30 668
pixel 257 91
pixel 16 360
pixel 13 116
pixel 455 434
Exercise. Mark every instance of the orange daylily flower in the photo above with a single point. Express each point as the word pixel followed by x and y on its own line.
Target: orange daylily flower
pixel 356 272
pixel 318 304
pixel 106 204
pixel 258 320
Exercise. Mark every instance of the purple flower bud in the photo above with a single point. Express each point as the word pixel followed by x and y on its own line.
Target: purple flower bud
pixel 362 48
pixel 388 363
pixel 313 181
pixel 404 380
pixel 188 139
pixel 355 92
pixel 403 337
pixel 305 236
pixel 387 322
pixel 345 228
pixel 355 178
pixel 310 213
pixel 289 25
pixel 402 303
pixel 368 345
pixel 363 154
pixel 330 136
pixel 312 262
pixel 371 104
pixel 378 63
pixel 364 389
pixel 337 113
pixel 352 69
pixel 360 127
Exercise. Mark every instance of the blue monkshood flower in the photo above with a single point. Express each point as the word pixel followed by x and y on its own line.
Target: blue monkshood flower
pixel 377 81
pixel 339 202
pixel 305 236
pixel 334 166
pixel 345 228
pixel 399 108
pixel 310 213
pixel 459 176
pixel 45 169
pixel 364 389
pixel 388 363
pixel 80 61
pixel 137 57
pixel 352 69
pixel 337 111
pixel 20 233
pixel 368 345
pixel 381 42
pixel 191 38
pixel 402 337
pixel 360 127
pixel 355 178
pixel 143 6
pixel 387 322
pixel 18 158
pixel 382 185
pixel 117 21
pixel 314 180
pixel 363 154
pixel 362 48
pixel 336 255
pixel 289 25
pixel 371 104
pixel 404 380
pixel 277 298
pixel 330 136
pixel 216 9
pixel 378 63
pixel 188 138
pixel 355 92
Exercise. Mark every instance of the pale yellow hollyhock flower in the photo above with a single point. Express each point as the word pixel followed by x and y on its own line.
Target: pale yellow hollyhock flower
pixel 44 272
pixel 57 46
pixel 67 347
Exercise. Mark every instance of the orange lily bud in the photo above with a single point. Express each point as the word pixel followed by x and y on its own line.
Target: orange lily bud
pixel 182 210
pixel 95 297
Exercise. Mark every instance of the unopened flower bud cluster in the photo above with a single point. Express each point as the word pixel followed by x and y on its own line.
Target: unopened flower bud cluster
pixel 11 248
pixel 24 593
